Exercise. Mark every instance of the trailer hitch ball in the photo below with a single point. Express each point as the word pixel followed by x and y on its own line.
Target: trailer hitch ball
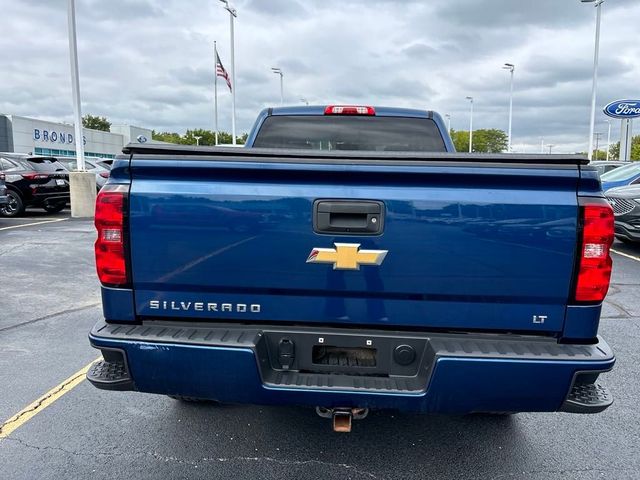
pixel 342 417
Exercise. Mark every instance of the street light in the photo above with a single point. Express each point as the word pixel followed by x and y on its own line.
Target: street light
pixel 305 101
pixel 471 125
pixel 75 85
pixel 550 147
pixel 448 117
pixel 592 124
pixel 197 137
pixel 511 67
pixel 608 138
pixel 278 71
pixel 232 15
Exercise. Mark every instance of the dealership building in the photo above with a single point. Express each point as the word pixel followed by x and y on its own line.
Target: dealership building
pixel 40 137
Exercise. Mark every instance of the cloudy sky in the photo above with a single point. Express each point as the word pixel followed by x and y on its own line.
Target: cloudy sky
pixel 150 62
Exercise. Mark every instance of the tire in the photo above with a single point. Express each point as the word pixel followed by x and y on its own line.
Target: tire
pixel 15 207
pixel 182 398
pixel 627 241
pixel 54 208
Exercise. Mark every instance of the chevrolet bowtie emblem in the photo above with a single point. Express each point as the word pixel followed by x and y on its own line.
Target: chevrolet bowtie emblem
pixel 347 256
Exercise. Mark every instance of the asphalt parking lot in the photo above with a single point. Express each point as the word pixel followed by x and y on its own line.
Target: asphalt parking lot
pixel 50 299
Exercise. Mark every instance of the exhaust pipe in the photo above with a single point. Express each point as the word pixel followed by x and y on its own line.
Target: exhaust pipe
pixel 342 417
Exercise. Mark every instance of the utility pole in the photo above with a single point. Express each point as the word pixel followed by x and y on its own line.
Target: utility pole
pixel 448 116
pixel 550 147
pixel 597 135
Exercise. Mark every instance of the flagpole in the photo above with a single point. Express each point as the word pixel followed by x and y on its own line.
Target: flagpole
pixel 215 89
pixel 233 79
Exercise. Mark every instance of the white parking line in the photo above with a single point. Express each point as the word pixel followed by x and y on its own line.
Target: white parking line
pixel 36 223
pixel 637 259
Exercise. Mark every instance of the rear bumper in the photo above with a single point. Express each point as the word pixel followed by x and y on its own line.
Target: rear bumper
pixel 451 373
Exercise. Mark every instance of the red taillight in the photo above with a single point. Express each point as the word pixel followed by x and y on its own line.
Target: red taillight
pixel 594 268
pixel 349 110
pixel 104 174
pixel 34 176
pixel 110 248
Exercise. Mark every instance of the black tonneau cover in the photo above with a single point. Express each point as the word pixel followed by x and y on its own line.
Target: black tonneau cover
pixel 340 156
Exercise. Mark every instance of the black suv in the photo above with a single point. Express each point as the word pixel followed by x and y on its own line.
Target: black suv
pixel 33 182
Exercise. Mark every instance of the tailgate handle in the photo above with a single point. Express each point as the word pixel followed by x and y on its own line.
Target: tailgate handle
pixel 348 217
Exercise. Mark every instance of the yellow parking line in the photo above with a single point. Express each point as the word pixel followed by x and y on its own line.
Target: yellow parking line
pixel 27 413
pixel 37 223
pixel 637 259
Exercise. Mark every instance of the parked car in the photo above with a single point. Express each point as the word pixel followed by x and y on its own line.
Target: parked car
pixel 622 176
pixel 604 166
pixel 33 182
pixel 3 191
pixel 625 202
pixel 91 165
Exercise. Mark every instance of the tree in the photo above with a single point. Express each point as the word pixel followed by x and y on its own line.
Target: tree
pixel 207 137
pixel 95 122
pixel 614 152
pixel 484 140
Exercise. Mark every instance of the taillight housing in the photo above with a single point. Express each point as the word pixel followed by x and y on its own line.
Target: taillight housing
pixel 104 174
pixel 349 110
pixel 110 245
pixel 594 261
pixel 34 176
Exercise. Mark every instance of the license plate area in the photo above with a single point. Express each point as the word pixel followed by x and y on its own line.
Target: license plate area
pixel 343 356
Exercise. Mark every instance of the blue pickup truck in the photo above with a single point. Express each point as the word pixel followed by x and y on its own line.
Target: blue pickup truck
pixel 348 259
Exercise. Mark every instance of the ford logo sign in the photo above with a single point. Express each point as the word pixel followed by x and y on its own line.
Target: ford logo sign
pixel 623 109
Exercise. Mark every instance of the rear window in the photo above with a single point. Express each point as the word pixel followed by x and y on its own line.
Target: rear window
pixel 44 165
pixel 334 132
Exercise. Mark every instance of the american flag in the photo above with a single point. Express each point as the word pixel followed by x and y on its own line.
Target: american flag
pixel 221 72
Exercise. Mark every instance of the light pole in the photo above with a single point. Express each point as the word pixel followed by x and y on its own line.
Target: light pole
pixel 550 147
pixel 541 144
pixel 305 101
pixel 608 138
pixel 471 125
pixel 232 15
pixel 592 124
pixel 197 137
pixel 75 84
pixel 511 67
pixel 278 71
pixel 448 116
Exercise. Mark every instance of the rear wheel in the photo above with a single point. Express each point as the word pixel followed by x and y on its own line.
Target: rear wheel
pixel 15 206
pixel 55 207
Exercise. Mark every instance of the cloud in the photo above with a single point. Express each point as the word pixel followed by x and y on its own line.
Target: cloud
pixel 150 62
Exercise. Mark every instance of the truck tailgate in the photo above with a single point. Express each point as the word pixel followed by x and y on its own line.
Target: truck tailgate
pixel 473 246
